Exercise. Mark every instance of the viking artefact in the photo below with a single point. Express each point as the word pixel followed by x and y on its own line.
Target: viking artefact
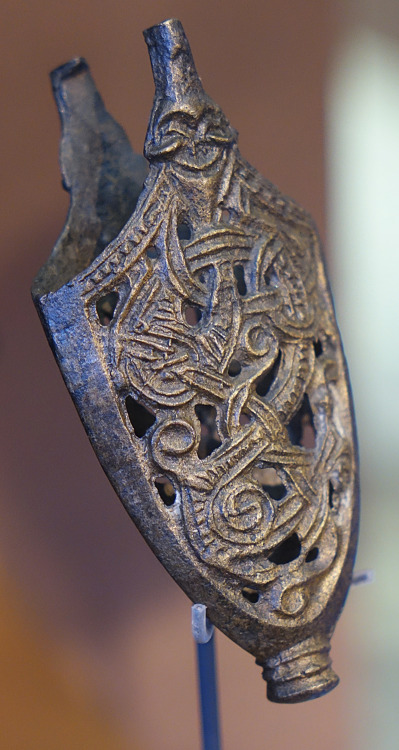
pixel 193 325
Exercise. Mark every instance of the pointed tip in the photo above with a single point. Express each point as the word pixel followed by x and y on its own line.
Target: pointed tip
pixel 178 91
pixel 173 67
pixel 68 70
pixel 172 26
pixel 100 170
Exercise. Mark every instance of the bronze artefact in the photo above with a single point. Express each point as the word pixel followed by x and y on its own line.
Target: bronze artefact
pixel 193 325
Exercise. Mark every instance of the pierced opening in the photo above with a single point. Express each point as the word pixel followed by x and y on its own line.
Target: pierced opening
pixel 301 428
pixel 153 252
pixel 166 490
pixel 250 594
pixel 318 348
pixel 140 416
pixel 184 230
pixel 276 491
pixel 105 307
pixel 225 215
pixel 207 276
pixel 192 314
pixel 210 438
pixel 245 418
pixel 270 482
pixel 240 279
pixel 330 494
pixel 287 551
pixel 270 278
pixel 312 555
pixel 234 368
pixel 266 381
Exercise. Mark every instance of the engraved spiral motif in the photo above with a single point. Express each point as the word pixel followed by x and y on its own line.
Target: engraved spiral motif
pixel 242 513
pixel 171 443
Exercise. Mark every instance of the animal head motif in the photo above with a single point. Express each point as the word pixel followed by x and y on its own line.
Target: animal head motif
pixel 185 124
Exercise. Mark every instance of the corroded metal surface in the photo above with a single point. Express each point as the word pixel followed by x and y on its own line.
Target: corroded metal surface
pixel 198 340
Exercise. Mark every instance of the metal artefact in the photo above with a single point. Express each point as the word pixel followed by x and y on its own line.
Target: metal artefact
pixel 195 332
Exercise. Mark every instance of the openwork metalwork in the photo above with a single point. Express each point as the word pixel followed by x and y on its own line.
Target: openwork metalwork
pixel 193 325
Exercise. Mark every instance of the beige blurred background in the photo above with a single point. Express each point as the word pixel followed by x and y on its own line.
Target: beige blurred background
pixel 95 644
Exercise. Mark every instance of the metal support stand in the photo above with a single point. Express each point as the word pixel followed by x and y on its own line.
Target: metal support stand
pixel 361 577
pixel 203 633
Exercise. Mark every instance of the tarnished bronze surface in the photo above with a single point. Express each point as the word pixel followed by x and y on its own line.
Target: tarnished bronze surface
pixel 198 341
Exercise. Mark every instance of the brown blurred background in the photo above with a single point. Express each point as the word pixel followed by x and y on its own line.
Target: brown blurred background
pixel 95 643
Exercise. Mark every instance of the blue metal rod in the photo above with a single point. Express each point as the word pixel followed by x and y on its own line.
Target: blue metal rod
pixel 208 695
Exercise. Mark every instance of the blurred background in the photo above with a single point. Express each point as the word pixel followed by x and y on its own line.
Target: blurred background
pixel 95 642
